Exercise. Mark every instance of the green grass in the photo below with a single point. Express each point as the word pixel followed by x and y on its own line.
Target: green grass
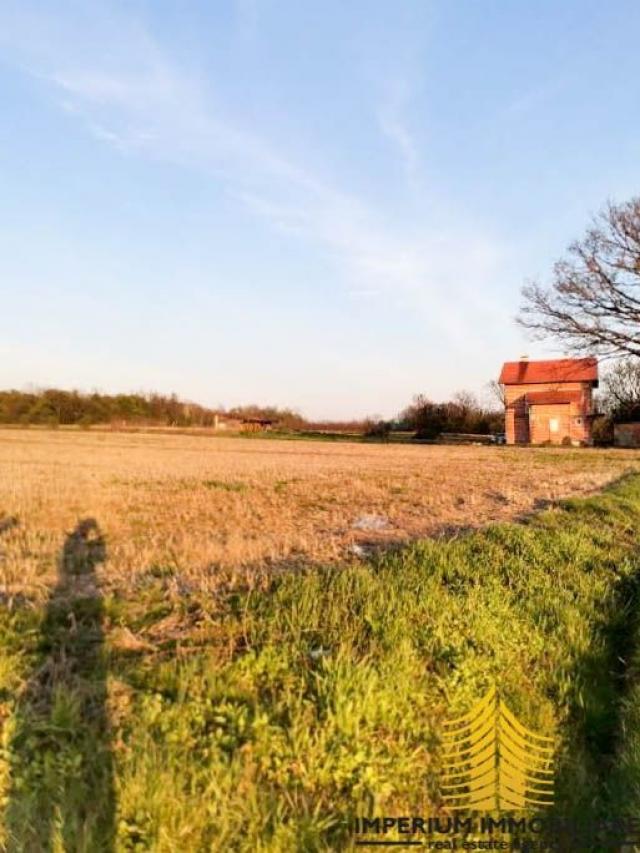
pixel 267 718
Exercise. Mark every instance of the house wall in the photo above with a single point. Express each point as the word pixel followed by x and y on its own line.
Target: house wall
pixel 516 426
pixel 574 423
pixel 543 418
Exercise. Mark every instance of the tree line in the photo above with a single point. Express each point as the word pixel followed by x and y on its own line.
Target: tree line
pixel 428 419
pixel 57 407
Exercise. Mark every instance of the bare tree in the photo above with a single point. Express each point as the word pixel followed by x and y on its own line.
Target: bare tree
pixel 622 388
pixel 496 392
pixel 593 302
pixel 466 401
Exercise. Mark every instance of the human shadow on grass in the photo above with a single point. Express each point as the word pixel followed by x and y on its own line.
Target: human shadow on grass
pixel 61 795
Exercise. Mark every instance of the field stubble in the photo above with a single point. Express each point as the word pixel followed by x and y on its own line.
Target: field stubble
pixel 215 508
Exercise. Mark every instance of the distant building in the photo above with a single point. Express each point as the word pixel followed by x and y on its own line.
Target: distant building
pixel 257 424
pixel 223 422
pixel 549 401
pixel 239 424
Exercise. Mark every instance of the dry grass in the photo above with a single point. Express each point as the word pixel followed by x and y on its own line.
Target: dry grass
pixel 210 506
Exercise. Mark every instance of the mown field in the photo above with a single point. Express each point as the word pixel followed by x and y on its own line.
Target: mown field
pixel 194 656
pixel 214 507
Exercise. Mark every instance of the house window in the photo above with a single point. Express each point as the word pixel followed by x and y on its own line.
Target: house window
pixel 553 425
pixel 579 421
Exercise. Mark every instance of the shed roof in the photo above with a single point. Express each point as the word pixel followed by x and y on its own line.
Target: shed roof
pixel 554 370
pixel 550 398
pixel 547 398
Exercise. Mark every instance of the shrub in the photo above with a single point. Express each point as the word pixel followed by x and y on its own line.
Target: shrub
pixel 378 429
pixel 602 431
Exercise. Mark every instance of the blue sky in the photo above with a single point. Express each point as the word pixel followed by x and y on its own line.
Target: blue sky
pixel 325 205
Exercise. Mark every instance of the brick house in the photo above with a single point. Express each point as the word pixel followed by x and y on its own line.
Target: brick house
pixel 549 401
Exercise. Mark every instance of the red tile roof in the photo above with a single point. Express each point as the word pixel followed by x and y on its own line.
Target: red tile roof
pixel 554 370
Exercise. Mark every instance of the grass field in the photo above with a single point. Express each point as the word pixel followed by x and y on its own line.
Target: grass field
pixel 213 507
pixel 191 657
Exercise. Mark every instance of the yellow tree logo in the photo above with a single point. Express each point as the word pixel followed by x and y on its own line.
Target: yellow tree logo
pixel 492 762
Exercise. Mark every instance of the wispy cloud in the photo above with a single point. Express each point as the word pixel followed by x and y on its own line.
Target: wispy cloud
pixel 136 98
pixel 391 115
